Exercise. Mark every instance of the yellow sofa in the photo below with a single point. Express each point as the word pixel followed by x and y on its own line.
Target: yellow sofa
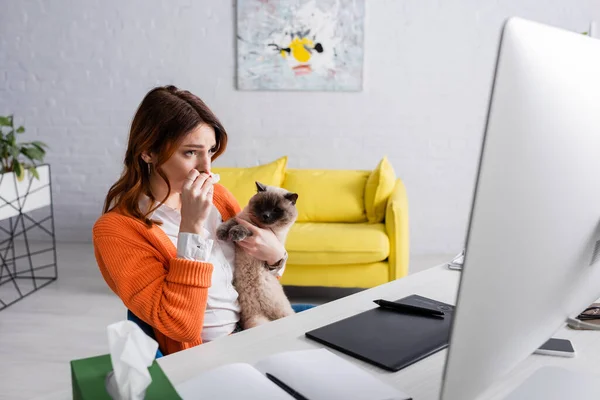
pixel 352 227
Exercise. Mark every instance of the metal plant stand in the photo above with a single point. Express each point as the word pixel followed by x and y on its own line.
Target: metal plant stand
pixel 27 240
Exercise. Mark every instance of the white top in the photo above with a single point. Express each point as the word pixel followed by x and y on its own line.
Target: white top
pixel 222 307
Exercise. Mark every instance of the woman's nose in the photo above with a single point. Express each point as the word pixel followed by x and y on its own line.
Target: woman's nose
pixel 204 166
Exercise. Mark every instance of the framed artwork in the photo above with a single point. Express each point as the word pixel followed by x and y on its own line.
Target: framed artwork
pixel 300 44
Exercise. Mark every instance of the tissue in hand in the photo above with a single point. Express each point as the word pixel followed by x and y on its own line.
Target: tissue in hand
pixel 131 353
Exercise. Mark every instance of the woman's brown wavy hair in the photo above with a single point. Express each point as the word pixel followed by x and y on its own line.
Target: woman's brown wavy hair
pixel 165 116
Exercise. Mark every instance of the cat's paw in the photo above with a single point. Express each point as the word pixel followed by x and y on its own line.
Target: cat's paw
pixel 239 233
pixel 222 232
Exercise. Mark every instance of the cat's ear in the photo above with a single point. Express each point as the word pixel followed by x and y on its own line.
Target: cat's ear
pixel 292 197
pixel 260 187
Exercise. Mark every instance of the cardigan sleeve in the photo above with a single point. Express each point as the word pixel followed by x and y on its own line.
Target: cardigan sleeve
pixel 171 298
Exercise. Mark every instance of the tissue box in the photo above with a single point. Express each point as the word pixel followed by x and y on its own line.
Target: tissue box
pixel 88 375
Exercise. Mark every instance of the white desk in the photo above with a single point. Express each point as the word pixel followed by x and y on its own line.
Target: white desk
pixel 421 380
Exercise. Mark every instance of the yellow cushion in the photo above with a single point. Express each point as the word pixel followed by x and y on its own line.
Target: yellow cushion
pixel 312 243
pixel 328 195
pixel 240 181
pixel 346 275
pixel 378 189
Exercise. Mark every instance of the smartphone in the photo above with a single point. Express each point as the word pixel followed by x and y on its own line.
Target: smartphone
pixel 557 347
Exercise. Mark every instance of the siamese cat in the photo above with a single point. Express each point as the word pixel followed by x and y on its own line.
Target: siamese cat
pixel 261 296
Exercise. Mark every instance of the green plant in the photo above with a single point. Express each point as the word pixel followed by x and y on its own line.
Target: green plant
pixel 12 153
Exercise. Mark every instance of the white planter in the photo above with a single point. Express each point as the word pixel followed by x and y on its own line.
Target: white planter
pixel 28 195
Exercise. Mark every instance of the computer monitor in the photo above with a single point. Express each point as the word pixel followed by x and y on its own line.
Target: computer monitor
pixel 533 244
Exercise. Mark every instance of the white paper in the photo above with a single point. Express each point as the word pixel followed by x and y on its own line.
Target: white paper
pixel 321 375
pixel 231 382
pixel 131 353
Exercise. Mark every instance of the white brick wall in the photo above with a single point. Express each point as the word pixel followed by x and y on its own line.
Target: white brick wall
pixel 74 72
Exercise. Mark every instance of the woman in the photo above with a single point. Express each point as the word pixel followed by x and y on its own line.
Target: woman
pixel 156 241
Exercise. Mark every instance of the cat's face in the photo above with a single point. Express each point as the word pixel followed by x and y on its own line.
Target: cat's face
pixel 273 207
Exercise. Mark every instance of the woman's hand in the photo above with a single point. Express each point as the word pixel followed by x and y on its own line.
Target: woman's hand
pixel 196 201
pixel 263 244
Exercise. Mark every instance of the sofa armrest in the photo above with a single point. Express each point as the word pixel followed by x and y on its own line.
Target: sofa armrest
pixel 396 225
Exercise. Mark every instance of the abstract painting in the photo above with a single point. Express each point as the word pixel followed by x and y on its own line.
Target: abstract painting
pixel 300 44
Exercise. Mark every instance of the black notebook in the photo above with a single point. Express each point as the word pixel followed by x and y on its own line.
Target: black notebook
pixel 389 339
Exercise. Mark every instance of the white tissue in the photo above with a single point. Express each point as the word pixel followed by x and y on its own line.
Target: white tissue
pixel 131 353
pixel 215 177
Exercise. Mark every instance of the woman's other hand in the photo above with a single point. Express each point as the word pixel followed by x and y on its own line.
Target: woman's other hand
pixel 263 244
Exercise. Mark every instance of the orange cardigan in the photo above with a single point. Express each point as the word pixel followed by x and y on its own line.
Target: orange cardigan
pixel 140 265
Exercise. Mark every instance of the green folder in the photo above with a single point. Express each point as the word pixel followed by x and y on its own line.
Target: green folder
pixel 88 375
